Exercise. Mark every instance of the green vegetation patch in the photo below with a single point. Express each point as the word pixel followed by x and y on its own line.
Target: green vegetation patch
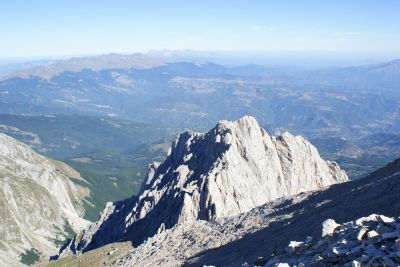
pixel 114 175
pixel 30 256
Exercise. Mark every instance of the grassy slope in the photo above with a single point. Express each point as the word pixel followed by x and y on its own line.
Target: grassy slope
pixel 99 257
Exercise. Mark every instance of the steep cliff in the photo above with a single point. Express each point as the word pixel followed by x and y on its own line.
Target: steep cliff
pixel 230 170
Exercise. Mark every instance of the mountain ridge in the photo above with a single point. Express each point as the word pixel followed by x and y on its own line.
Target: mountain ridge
pixel 258 235
pixel 98 63
pixel 39 201
pixel 230 170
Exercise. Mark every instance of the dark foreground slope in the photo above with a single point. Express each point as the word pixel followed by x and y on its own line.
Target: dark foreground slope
pixel 376 193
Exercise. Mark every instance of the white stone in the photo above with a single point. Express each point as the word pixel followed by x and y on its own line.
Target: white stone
pixel 386 220
pixel 372 217
pixel 361 233
pixel 344 247
pixel 328 227
pixel 372 234
pixel 339 251
pixel 293 245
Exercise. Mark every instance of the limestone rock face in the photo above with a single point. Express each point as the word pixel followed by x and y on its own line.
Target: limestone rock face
pixel 230 170
pixel 38 201
pixel 233 168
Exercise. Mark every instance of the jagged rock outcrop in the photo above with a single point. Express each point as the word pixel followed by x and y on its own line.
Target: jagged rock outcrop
pixel 38 202
pixel 367 241
pixel 230 170
pixel 252 238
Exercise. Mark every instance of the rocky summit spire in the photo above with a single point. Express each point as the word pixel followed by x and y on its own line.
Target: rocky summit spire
pixel 232 169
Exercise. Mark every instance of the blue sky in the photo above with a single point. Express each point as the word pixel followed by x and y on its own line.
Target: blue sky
pixel 55 28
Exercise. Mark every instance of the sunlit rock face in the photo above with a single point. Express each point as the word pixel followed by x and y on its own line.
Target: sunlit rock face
pixel 230 170
pixel 39 202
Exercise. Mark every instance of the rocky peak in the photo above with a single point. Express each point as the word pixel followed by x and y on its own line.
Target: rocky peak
pixel 230 170
pixel 252 238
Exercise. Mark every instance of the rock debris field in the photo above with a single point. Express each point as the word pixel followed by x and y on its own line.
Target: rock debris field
pixel 367 241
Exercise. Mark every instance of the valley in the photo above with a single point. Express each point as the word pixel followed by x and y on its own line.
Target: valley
pixel 112 155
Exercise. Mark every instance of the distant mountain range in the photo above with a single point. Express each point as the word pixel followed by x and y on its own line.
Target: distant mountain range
pixel 193 94
pixel 10 68
pixel 330 107
pixel 109 61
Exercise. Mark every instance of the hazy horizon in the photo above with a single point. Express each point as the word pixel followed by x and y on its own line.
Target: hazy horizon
pixel 288 58
pixel 51 29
